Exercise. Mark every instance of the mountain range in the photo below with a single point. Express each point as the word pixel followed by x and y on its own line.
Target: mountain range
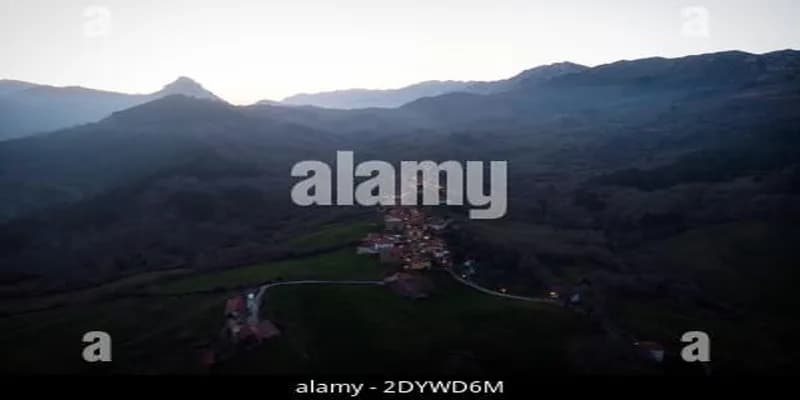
pixel 28 108
pixel 390 98
pixel 630 114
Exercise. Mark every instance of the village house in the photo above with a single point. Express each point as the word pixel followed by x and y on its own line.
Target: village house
pixel 241 326
pixel 418 264
pixel 437 224
pixel 376 244
pixel 393 223
pixel 566 294
pixel 444 260
pixel 413 245
pixel 235 307
pixel 413 232
pixel 395 255
pixel 257 332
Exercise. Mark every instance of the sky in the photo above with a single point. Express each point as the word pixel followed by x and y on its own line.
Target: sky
pixel 249 50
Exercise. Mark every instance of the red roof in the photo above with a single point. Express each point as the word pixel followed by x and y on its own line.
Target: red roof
pixel 235 305
pixel 262 330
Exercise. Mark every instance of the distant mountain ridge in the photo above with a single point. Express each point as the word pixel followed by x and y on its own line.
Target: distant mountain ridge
pixel 391 98
pixel 11 86
pixel 377 98
pixel 27 108
pixel 530 76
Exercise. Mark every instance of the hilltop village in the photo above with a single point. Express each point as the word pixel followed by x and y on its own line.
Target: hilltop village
pixel 410 240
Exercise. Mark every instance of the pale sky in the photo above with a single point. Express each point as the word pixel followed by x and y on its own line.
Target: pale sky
pixel 248 50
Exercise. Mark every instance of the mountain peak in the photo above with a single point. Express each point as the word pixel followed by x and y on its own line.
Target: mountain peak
pixel 187 87
pixel 185 79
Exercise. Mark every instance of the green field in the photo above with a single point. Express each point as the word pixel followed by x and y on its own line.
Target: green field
pixel 331 330
pixel 127 284
pixel 341 264
pixel 331 236
pixel 325 328
pixel 148 335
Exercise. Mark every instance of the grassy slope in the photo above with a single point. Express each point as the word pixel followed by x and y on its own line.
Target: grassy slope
pixel 147 334
pixel 340 264
pixel 333 235
pixel 130 283
pixel 371 330
pixel 744 266
pixel 330 329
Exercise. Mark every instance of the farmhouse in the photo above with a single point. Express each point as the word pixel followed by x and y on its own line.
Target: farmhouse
pixel 393 223
pixel 376 244
pixel 394 255
pixel 242 324
pixel 235 306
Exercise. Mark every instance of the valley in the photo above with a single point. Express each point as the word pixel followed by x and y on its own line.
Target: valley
pixel 661 191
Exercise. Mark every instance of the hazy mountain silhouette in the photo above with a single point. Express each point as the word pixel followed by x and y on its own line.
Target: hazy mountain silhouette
pixel 528 77
pixel 367 98
pixel 27 108
pixel 631 89
pixel 390 98
pixel 187 87
pixel 10 86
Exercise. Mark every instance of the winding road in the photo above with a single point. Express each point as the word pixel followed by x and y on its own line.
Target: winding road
pixel 540 300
